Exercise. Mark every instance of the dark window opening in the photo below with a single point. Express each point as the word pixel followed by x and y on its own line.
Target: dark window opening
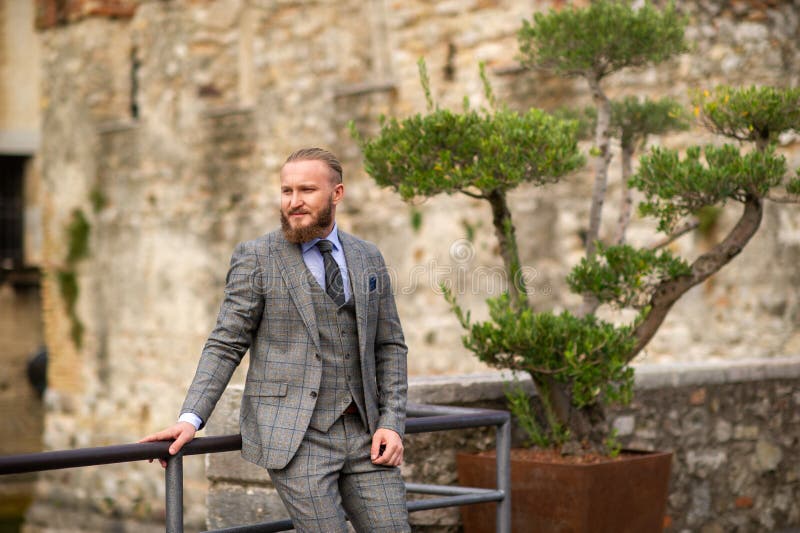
pixel 12 209
pixel 135 65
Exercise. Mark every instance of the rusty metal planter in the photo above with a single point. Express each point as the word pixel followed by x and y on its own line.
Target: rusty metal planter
pixel 628 494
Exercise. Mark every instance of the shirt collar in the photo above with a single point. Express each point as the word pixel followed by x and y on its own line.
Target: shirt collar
pixel 333 236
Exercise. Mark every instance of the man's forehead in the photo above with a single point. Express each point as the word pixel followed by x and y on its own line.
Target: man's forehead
pixel 307 170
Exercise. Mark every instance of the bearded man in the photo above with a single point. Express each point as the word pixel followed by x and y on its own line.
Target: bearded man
pixel 324 402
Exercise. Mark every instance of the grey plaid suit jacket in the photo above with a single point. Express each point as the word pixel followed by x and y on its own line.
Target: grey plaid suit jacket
pixel 268 308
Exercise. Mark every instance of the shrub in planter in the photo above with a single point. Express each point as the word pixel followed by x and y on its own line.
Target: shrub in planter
pixel 577 361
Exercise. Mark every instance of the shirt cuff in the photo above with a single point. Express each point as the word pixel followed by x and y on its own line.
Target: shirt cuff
pixel 192 418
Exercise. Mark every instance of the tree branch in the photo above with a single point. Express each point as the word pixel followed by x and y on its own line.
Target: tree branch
pixel 473 195
pixel 680 232
pixel 669 291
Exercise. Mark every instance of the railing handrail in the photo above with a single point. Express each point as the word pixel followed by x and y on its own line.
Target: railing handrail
pixel 421 419
pixel 123 453
pixel 120 453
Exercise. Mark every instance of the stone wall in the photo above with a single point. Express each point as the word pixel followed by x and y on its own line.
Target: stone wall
pixel 164 125
pixel 734 429
pixel 21 332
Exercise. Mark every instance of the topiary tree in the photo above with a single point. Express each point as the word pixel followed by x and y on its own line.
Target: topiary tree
pixel 481 153
pixel 577 361
pixel 593 43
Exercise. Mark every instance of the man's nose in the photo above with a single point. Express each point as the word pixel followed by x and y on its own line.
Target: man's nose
pixel 296 200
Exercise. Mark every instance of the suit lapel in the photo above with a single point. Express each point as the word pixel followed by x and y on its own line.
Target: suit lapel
pixel 356 270
pixel 293 270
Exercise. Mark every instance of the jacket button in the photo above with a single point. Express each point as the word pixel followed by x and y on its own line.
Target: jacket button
pixel 347 356
pixel 313 394
pixel 318 356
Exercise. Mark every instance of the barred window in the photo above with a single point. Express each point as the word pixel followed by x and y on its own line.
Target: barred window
pixel 12 172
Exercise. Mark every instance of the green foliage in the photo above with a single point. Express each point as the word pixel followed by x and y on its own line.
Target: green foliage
pixel 416 219
pixel 585 117
pixel 586 354
pixel 78 231
pixel 793 186
pixel 708 219
pixel 544 433
pixel 749 113
pixel 444 151
pixel 68 287
pixel 77 237
pixel 425 81
pixel 470 229
pixel 487 87
pixel 98 199
pixel 612 444
pixel 602 38
pixel 625 276
pixel 676 187
pixel 519 402
pixel 632 119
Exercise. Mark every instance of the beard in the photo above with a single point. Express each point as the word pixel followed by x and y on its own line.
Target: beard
pixel 317 228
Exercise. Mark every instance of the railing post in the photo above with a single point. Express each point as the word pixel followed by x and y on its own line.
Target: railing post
pixel 174 493
pixel 503 523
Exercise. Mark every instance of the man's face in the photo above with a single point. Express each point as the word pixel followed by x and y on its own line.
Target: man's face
pixel 308 200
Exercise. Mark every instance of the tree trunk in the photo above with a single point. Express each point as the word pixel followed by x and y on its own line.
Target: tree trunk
pixel 506 238
pixel 601 161
pixel 602 140
pixel 626 203
pixel 669 291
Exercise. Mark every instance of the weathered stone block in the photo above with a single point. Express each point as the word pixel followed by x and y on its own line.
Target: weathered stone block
pixel 702 463
pixel 723 431
pixel 230 505
pixel 624 425
pixel 768 456
pixel 230 465
pixel 742 432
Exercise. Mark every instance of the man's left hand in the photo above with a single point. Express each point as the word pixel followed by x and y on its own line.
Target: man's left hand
pixel 392 445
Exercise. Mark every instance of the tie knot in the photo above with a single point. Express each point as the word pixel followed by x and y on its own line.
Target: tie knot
pixel 324 246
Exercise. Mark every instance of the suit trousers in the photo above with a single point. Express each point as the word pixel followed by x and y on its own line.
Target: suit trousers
pixel 332 474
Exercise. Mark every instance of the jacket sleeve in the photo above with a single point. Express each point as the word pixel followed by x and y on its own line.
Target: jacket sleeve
pixel 390 358
pixel 238 319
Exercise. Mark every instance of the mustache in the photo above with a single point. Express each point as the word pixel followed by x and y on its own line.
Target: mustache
pixel 297 211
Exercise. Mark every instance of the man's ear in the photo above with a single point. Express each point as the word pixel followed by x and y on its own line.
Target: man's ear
pixel 338 193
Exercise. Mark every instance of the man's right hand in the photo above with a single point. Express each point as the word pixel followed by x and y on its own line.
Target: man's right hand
pixel 182 432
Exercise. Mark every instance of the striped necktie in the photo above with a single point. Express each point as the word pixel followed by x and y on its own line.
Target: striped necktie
pixel 334 285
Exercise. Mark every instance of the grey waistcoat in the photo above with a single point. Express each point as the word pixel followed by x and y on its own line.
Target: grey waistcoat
pixel 341 368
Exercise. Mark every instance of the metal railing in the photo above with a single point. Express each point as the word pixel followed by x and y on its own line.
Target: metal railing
pixel 422 419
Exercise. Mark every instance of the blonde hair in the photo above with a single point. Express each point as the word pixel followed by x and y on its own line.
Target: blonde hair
pixel 318 154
